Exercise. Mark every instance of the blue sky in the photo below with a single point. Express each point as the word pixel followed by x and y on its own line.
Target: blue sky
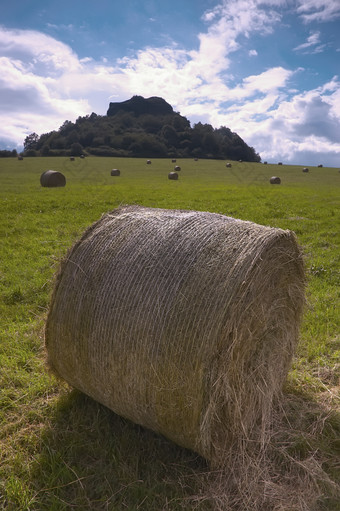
pixel 267 69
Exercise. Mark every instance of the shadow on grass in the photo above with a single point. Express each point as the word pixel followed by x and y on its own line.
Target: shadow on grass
pixel 90 458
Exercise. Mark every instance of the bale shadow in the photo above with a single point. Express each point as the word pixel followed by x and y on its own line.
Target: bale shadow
pixel 90 458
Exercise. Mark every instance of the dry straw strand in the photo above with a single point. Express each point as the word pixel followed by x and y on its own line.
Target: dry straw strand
pixel 182 321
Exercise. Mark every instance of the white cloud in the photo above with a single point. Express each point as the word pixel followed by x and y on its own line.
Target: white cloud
pixel 318 10
pixel 312 40
pixel 252 53
pixel 44 53
pixel 43 82
pixel 295 128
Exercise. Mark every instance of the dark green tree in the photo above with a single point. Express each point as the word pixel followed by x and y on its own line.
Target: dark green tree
pixel 30 142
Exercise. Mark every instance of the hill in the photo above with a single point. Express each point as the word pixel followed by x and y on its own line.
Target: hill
pixel 140 127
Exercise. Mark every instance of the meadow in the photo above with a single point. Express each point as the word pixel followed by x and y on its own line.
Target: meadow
pixel 59 449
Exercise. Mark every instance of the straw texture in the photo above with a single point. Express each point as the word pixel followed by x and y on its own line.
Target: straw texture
pixel 182 321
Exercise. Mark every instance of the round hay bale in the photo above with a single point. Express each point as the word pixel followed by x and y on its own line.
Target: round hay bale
pixel 115 172
pixel 182 321
pixel 195 159
pixel 305 169
pixel 52 178
pixel 173 175
pixel 82 156
pixel 280 163
pixel 228 165
pixel 71 158
pixel 173 161
pixel 20 158
pixel 148 162
pixel 275 180
pixel 320 166
pixel 177 168
pixel 265 163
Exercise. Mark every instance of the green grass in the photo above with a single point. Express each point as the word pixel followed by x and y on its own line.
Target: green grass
pixel 61 450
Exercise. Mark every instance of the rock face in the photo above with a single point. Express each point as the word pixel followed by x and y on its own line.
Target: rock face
pixel 140 106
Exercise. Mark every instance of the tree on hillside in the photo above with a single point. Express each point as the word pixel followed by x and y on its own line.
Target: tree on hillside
pixel 30 142
pixel 140 128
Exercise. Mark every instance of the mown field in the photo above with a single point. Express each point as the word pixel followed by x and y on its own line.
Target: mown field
pixel 59 449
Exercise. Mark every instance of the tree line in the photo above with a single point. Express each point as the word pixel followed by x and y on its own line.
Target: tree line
pixel 135 134
pixel 6 153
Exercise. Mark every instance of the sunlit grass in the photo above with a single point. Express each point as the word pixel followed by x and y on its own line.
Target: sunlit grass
pixel 61 450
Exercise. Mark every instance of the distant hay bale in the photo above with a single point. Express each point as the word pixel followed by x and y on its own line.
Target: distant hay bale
pixel 173 175
pixel 195 159
pixel 71 158
pixel 265 163
pixel 228 165
pixel 320 166
pixel 115 172
pixel 280 163
pixel 82 156
pixel 275 180
pixel 20 158
pixel 177 168
pixel 148 162
pixel 173 161
pixel 305 169
pixel 52 178
pixel 182 321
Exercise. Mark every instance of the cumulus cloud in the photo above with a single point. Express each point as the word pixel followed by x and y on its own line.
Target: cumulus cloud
pixel 43 82
pixel 299 126
pixel 43 53
pixel 31 99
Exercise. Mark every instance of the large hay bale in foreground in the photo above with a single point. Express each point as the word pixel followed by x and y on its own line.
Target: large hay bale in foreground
pixel 275 180
pixel 52 178
pixel 182 321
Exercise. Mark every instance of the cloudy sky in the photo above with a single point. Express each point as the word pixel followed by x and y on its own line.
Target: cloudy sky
pixel 267 69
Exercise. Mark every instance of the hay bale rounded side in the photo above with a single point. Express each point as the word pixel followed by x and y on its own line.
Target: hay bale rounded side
pixel 280 163
pixel 148 162
pixel 115 172
pixel 275 180
pixel 182 321
pixel 20 158
pixel 173 160
pixel 228 164
pixel 72 158
pixel 52 178
pixel 177 168
pixel 305 169
pixel 173 175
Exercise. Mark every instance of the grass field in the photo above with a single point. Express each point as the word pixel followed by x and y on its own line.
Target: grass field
pixel 60 450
